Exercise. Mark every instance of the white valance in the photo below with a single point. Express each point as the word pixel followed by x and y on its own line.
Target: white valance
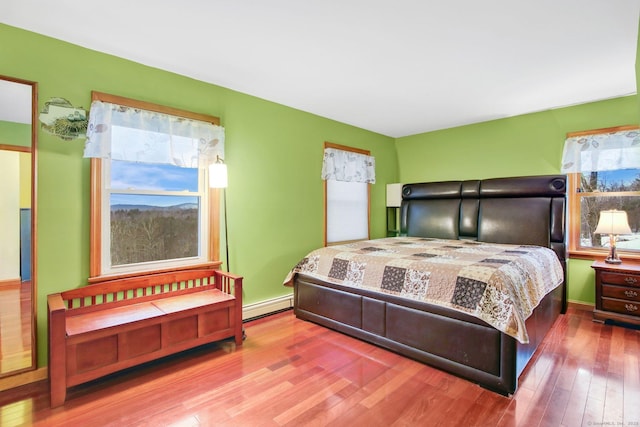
pixel 342 165
pixel 602 152
pixel 151 137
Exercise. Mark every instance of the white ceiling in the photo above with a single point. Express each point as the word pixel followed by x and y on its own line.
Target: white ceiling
pixel 397 67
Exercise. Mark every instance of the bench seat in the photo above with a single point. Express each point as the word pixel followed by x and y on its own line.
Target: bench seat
pixel 128 314
pixel 100 329
pixel 104 319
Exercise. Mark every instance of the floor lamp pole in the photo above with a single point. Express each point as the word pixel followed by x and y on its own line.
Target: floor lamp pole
pixel 226 229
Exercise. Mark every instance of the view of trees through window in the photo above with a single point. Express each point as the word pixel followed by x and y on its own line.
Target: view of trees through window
pixel 154 212
pixel 618 189
pixel 143 233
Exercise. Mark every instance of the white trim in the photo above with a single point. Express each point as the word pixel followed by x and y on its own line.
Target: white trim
pixel 261 308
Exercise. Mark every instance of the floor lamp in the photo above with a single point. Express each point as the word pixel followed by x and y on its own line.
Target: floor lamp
pixel 218 179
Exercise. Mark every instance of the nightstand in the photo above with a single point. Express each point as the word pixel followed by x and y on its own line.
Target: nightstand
pixel 392 222
pixel 617 292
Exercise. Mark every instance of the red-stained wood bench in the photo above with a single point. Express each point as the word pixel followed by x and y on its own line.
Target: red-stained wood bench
pixel 102 328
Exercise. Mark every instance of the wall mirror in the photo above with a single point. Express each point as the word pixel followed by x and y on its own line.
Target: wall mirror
pixel 18 105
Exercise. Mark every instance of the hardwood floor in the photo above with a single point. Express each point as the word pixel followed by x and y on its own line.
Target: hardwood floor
pixel 15 326
pixel 292 373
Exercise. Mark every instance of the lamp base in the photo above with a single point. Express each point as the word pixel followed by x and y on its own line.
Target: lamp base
pixel 613 257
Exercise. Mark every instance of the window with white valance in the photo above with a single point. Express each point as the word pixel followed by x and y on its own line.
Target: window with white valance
pixel 152 137
pixel 347 173
pixel 603 167
pixel 151 204
pixel 350 166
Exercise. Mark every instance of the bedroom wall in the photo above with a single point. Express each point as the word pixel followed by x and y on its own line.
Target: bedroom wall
pixel 530 144
pixel 274 155
pixel 638 69
pixel 12 133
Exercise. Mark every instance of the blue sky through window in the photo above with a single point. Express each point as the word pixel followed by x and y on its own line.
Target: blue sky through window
pixel 146 176
pixel 151 200
pixel 620 176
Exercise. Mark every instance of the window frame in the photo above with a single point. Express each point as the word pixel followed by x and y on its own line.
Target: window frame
pixel 324 184
pixel 574 196
pixel 96 272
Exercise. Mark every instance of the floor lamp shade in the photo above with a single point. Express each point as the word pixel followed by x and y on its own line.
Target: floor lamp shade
pixel 218 175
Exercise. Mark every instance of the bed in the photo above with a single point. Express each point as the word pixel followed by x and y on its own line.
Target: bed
pixel 495 227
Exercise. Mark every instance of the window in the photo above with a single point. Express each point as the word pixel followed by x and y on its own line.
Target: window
pixel 347 211
pixel 604 173
pixel 149 213
pixel 154 213
pixel 347 173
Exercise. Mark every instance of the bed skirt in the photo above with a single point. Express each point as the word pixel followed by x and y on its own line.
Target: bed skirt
pixel 443 338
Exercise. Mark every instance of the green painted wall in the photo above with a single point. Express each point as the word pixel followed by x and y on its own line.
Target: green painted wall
pixel 530 144
pixel 638 67
pixel 12 133
pixel 274 156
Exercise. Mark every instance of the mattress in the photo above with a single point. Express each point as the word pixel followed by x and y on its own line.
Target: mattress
pixel 497 283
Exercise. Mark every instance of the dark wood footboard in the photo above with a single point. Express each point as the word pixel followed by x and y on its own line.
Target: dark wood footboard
pixel 440 337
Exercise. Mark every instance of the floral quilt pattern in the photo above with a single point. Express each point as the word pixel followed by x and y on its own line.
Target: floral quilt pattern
pixel 499 284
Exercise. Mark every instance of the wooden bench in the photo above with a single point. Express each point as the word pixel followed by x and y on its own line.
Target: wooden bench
pixel 98 329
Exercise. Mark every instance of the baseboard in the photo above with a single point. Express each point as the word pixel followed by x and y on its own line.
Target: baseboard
pixel 578 305
pixel 24 378
pixel 10 282
pixel 262 308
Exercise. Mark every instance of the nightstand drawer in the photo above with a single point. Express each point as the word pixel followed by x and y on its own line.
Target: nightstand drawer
pixel 621 306
pixel 620 292
pixel 620 279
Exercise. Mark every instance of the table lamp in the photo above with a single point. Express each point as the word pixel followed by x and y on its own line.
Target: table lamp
pixel 613 222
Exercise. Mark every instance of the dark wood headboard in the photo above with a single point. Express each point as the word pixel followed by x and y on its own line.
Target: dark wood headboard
pixel 527 210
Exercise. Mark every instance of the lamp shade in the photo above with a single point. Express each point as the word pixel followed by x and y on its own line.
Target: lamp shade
pixel 218 175
pixel 613 222
pixel 394 195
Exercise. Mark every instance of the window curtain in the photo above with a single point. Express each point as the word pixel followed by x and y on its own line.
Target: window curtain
pixel 602 152
pixel 341 165
pixel 151 137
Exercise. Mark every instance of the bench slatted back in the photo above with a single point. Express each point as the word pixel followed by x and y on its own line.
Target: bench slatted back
pixel 143 288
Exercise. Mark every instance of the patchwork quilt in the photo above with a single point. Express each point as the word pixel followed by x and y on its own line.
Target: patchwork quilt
pixel 499 284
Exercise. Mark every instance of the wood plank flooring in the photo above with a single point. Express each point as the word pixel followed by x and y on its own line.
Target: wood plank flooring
pixel 294 373
pixel 15 326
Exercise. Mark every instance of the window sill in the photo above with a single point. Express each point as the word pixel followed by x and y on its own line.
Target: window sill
pixel 594 255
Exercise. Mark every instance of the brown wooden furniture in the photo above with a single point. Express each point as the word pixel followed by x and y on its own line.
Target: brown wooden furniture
pixel 617 292
pixel 98 329
pixel 521 210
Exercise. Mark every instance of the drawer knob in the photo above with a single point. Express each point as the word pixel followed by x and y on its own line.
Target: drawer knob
pixel 631 307
pixel 630 280
pixel 631 294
